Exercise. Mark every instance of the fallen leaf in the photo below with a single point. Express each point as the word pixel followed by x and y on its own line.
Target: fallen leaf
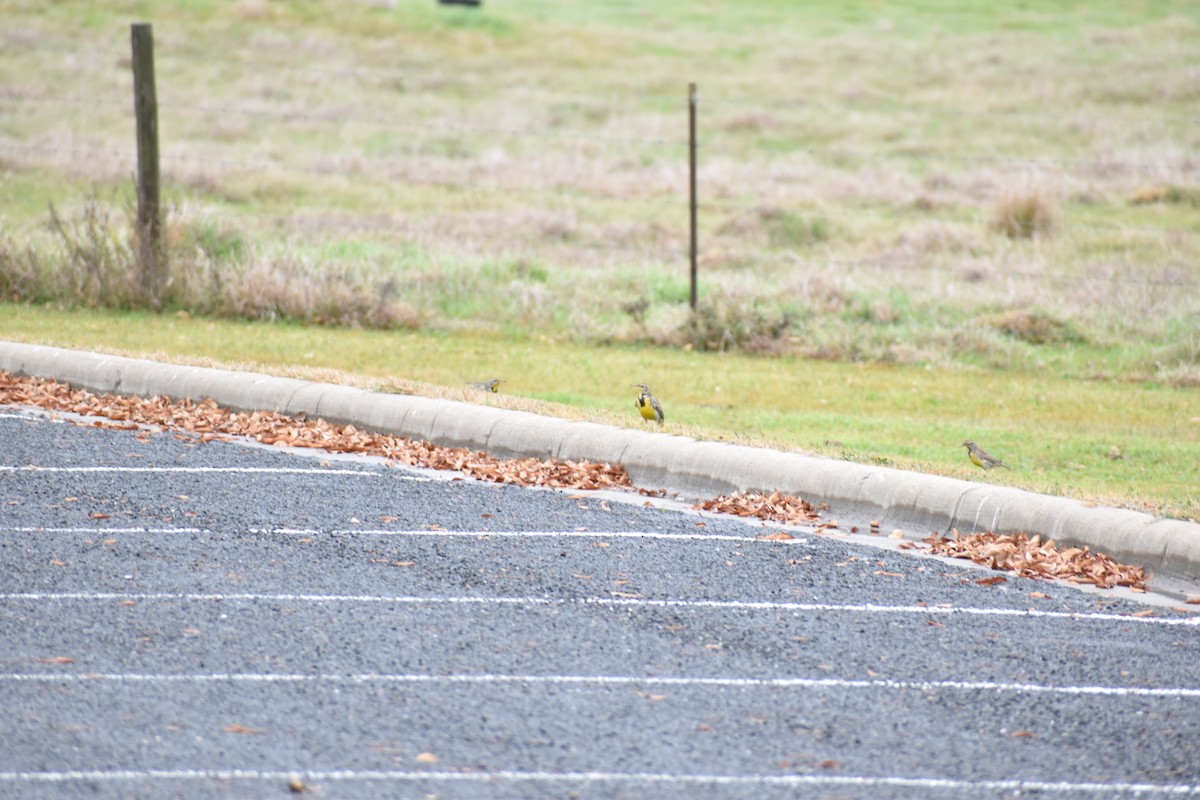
pixel 829 763
pixel 427 758
pixel 775 507
pixel 237 727
pixel 1031 557
pixel 99 515
pixel 779 536
pixel 992 581
pixel 56 660
pixel 189 418
pixel 1024 734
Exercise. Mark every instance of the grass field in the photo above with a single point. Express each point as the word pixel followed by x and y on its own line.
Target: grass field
pixel 919 222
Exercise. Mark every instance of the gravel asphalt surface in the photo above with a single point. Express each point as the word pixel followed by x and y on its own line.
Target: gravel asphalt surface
pixel 213 620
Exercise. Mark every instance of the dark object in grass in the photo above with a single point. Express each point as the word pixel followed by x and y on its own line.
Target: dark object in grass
pixel 1036 328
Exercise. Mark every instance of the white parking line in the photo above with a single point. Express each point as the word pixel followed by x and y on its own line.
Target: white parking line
pixel 442 534
pixel 737 605
pixel 99 531
pixel 965 787
pixel 201 470
pixel 609 680
pixel 689 536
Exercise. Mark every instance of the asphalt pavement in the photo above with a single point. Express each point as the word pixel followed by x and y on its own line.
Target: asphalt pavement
pixel 213 620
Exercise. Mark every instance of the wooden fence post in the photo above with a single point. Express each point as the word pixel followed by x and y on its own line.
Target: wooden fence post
pixel 692 185
pixel 151 257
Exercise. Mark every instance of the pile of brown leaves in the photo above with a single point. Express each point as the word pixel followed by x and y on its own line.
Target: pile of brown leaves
pixel 211 421
pixel 775 507
pixel 1030 557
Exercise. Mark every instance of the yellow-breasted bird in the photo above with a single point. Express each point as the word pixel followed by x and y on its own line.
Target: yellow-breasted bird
pixel 487 386
pixel 982 458
pixel 647 404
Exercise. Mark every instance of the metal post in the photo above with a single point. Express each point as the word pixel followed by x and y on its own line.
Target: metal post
pixel 151 259
pixel 692 183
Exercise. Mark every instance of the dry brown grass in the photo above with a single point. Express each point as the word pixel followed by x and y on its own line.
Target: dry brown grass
pixel 1027 212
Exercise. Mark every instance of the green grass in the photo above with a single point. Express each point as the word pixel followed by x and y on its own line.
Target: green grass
pixel 1057 433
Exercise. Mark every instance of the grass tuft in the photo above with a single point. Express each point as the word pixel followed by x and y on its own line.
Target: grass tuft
pixel 726 323
pixel 97 262
pixel 788 230
pixel 1168 194
pixel 1026 213
pixel 1036 327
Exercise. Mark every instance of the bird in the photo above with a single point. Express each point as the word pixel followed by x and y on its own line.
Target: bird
pixel 982 458
pixel 488 386
pixel 647 404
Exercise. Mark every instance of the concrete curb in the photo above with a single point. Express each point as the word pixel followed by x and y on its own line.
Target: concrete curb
pixel 916 503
